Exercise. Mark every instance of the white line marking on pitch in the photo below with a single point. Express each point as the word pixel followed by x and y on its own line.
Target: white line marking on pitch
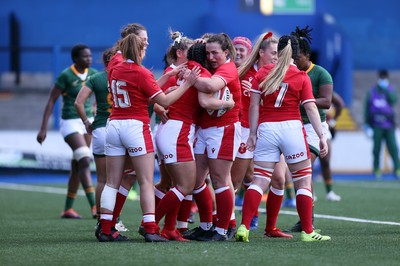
pixel 342 218
pixel 30 188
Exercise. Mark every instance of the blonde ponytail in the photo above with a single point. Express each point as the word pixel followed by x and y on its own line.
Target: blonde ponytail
pixel 274 79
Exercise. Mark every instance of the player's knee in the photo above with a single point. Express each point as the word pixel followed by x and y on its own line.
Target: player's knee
pixel 81 152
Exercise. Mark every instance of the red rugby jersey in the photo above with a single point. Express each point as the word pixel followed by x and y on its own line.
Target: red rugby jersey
pixel 187 107
pixel 229 74
pixel 131 87
pixel 172 81
pixel 244 110
pixel 284 103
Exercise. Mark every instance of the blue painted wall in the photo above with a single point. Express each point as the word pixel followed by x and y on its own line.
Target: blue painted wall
pixel 373 35
pixel 46 23
pixel 373 27
pixel 358 38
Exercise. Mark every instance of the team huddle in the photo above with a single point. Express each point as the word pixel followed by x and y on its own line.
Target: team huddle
pixel 232 115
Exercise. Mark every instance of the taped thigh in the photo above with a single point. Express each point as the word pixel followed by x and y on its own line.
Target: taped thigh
pixel 302 173
pixel 261 172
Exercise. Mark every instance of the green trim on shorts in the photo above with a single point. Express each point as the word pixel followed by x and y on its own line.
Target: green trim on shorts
pixel 314 150
pixel 65 138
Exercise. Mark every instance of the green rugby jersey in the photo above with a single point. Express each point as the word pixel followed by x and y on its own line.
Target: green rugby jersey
pixel 319 76
pixel 98 83
pixel 70 81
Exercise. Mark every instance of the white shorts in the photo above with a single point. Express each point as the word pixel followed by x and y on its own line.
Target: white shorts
pixel 98 141
pixel 218 142
pixel 312 137
pixel 70 126
pixel 243 153
pixel 286 137
pixel 154 130
pixel 128 135
pixel 174 142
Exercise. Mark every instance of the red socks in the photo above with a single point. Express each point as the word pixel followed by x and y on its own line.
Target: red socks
pixel 119 203
pixel 203 200
pixel 252 199
pixel 304 202
pixel 274 201
pixel 224 201
pixel 170 203
pixel 184 212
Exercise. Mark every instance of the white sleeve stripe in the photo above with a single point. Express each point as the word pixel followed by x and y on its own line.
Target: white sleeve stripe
pixel 308 101
pixel 223 79
pixel 255 91
pixel 155 94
